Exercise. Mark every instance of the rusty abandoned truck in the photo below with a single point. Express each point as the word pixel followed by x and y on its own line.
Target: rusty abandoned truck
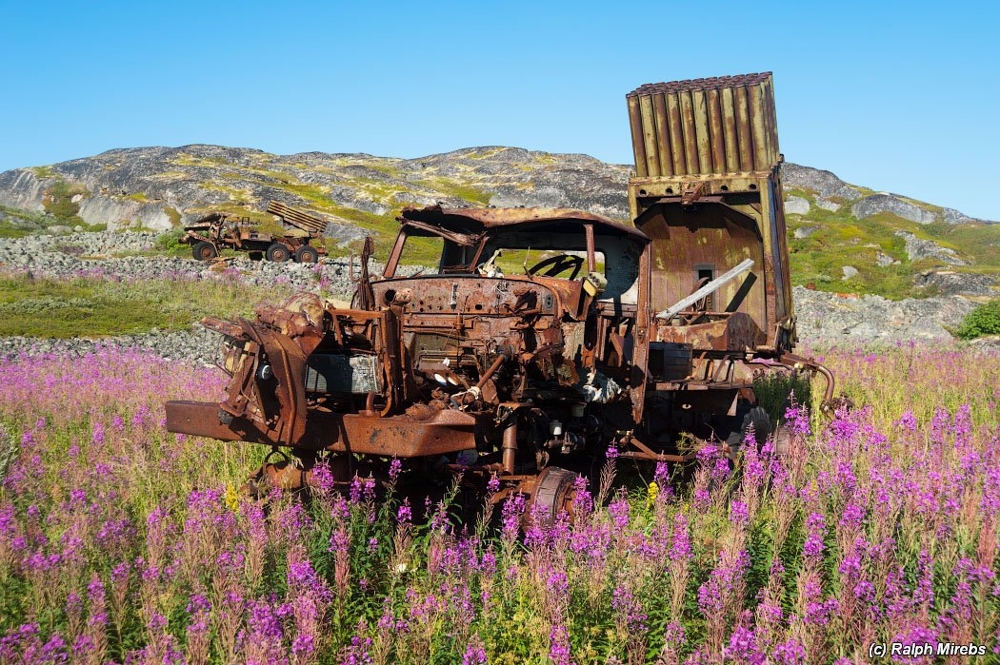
pixel 216 231
pixel 543 335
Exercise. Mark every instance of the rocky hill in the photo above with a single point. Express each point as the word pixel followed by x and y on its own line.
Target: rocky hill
pixel 157 188
pixel 843 238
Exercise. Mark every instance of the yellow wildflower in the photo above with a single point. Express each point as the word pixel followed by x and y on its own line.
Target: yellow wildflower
pixel 232 498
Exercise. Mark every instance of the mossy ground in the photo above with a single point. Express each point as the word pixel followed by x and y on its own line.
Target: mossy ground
pixel 840 239
pixel 94 308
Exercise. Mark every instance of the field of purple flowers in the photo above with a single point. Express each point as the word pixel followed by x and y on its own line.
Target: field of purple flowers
pixel 121 542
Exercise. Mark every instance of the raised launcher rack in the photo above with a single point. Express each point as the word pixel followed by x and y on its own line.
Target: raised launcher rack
pixel 311 224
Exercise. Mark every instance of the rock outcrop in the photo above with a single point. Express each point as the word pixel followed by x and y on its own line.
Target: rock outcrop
pixel 824 183
pixel 825 318
pixel 159 187
pixel 917 249
pixel 882 202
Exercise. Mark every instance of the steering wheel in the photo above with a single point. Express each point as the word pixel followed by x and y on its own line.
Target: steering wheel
pixel 557 264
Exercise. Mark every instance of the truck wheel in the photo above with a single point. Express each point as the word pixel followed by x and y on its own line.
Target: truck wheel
pixel 256 256
pixel 277 253
pixel 306 254
pixel 204 251
pixel 761 422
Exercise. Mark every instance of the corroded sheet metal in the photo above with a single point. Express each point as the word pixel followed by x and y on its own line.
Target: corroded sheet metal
pixel 704 126
pixel 733 332
pixel 445 431
pixel 477 220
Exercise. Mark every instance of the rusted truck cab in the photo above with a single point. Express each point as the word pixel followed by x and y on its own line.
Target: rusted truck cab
pixel 518 350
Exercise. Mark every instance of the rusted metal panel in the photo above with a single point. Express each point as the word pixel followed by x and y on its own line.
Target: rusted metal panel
pixel 445 431
pixel 476 220
pixel 730 142
pixel 736 332
pixel 699 108
pixel 716 139
pixel 720 125
pixel 712 235
pixel 649 135
pixel 638 147
pixel 688 132
pixel 743 133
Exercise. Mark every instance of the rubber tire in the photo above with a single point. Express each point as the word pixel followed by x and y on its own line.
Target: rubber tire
pixel 204 251
pixel 306 254
pixel 761 425
pixel 256 256
pixel 277 253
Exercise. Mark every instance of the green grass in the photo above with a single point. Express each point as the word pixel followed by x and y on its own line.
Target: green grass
pixel 457 190
pixel 32 222
pixel 96 308
pixel 842 240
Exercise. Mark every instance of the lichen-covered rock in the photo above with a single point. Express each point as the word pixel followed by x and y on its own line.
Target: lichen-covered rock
pixel 949 283
pixel 833 318
pixel 824 183
pixel 882 202
pixel 917 249
pixel 796 205
pixel 883 260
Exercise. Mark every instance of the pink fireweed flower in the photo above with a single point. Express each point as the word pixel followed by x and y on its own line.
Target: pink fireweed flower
pixel 738 513
pixel 743 647
pixel 618 510
pixel 907 421
pixel 680 547
pixel 813 547
pixel 789 652
pixel 559 649
pixel 395 468
pixel 340 541
pixel 797 417
pixel 629 610
pixel 322 477
pixel 368 488
pixel 583 502
pixel 97 435
pixel 513 509
pixel 404 515
pixel 475 653
pixel 662 474
pixel 715 595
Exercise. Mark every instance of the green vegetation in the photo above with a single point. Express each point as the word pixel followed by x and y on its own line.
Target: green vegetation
pixel 58 202
pixel 840 239
pixel 170 243
pixel 174 215
pixel 16 223
pixel 983 320
pixel 43 172
pixel 94 307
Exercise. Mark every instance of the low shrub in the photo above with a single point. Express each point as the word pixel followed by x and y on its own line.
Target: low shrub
pixel 983 320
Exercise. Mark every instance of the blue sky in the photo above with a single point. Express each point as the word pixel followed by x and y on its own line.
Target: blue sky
pixel 901 97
